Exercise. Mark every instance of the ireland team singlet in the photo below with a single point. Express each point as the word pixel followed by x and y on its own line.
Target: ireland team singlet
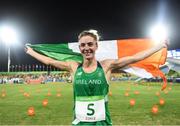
pixel 91 97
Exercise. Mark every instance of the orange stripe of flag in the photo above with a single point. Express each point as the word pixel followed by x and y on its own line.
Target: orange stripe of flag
pixel 129 47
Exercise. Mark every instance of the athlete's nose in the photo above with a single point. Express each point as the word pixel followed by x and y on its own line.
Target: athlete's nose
pixel 86 47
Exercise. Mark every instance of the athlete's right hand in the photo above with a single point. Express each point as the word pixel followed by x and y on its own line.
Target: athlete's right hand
pixel 28 49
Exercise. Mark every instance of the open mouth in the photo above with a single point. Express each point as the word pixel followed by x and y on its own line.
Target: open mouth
pixel 87 52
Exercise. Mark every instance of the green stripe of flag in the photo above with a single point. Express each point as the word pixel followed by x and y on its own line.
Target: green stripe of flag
pixel 57 51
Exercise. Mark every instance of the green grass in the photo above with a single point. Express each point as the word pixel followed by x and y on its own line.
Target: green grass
pixel 13 107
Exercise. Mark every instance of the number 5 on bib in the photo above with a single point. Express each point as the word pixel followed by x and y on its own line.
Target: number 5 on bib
pixel 90 111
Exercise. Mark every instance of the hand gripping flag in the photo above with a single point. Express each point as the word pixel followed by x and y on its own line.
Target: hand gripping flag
pixel 112 49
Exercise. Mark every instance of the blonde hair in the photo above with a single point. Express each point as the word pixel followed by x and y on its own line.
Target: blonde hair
pixel 93 33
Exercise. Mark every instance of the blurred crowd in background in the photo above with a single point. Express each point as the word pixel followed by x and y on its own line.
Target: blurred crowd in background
pixel 35 78
pixel 54 77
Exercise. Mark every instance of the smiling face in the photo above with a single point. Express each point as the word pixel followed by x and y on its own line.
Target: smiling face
pixel 88 46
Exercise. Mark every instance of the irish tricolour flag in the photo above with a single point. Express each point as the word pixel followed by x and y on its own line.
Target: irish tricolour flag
pixel 112 49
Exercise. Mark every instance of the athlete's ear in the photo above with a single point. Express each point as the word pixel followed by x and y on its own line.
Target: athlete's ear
pixel 79 48
pixel 97 44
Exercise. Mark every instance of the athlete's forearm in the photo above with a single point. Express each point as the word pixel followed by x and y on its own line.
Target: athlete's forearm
pixel 119 63
pixel 146 53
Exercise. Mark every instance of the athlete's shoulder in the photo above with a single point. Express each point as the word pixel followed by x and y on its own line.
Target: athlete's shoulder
pixel 106 64
pixel 74 65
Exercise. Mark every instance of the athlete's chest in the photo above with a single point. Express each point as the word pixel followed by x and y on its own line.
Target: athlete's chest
pixel 90 83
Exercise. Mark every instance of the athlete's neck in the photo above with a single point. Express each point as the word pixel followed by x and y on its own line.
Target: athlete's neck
pixel 89 62
pixel 90 65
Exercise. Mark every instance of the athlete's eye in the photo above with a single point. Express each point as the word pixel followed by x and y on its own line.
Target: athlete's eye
pixel 82 45
pixel 90 44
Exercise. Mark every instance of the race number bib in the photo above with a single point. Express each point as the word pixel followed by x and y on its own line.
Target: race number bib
pixel 90 111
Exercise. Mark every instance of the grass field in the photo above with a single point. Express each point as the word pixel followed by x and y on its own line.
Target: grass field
pixel 14 105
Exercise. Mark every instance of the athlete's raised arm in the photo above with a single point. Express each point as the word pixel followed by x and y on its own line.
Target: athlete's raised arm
pixel 69 66
pixel 122 62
